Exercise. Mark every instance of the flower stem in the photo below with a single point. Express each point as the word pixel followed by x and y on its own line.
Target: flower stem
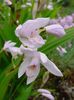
pixel 1 51
pixel 14 66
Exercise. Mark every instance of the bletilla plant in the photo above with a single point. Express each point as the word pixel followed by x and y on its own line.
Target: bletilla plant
pixel 28 34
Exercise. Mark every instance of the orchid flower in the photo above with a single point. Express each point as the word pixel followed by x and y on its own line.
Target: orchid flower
pixel 46 93
pixel 55 29
pixel 8 2
pixel 28 32
pixel 8 44
pixel 61 50
pixel 69 20
pixel 31 26
pixel 31 64
pixel 10 47
pixel 50 6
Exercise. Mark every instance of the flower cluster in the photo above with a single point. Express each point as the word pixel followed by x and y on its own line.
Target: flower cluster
pixel 28 34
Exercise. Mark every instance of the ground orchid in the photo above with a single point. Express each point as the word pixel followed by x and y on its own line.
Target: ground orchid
pixel 31 64
pixel 36 50
pixel 28 32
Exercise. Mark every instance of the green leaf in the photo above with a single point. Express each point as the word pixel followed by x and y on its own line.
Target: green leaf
pixel 5 78
pixel 69 55
pixel 25 93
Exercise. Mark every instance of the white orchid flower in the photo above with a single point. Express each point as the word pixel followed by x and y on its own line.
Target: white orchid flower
pixel 55 29
pixel 28 32
pixel 61 50
pixel 46 93
pixel 31 64
pixel 10 47
pixel 8 2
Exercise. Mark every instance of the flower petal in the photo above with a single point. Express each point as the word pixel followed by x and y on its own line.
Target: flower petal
pixel 69 19
pixel 49 65
pixel 34 75
pixel 41 22
pixel 15 51
pixel 26 42
pixel 18 30
pixel 33 42
pixel 48 96
pixel 46 93
pixel 23 67
pixel 43 91
pixel 8 44
pixel 37 41
pixel 28 52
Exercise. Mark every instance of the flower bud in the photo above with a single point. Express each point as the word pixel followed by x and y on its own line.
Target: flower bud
pixel 55 29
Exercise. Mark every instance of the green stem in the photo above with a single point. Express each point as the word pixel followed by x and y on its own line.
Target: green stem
pixel 14 66
pixel 1 51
